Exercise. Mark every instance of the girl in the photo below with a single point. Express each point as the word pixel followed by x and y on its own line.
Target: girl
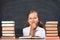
pixel 33 26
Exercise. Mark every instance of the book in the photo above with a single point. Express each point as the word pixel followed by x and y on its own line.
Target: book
pixel 8 25
pixel 51 29
pixel 52 32
pixel 8 38
pixel 8 32
pixel 52 22
pixel 7 28
pixel 7 22
pixel 52 35
pixel 51 25
pixel 26 37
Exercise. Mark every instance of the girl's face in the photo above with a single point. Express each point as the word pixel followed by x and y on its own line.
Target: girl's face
pixel 33 18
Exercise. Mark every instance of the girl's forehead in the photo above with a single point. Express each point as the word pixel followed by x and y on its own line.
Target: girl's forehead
pixel 33 13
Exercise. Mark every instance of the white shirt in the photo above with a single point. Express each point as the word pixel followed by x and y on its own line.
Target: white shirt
pixel 38 32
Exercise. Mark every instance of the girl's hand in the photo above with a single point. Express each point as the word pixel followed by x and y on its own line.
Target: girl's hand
pixel 32 29
pixel 33 26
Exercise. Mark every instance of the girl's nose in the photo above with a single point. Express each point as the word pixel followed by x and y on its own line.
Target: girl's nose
pixel 33 20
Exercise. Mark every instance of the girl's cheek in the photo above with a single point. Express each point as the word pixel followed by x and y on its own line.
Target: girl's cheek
pixel 29 21
pixel 36 21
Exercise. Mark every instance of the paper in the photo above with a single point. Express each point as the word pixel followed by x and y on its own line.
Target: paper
pixel 29 37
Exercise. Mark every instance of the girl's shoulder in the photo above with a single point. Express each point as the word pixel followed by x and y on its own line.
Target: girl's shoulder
pixel 39 28
pixel 26 28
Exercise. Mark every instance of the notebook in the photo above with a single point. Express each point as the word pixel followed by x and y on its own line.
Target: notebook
pixel 24 37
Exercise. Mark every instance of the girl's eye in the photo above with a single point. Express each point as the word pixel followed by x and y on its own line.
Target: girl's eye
pixel 34 17
pixel 30 18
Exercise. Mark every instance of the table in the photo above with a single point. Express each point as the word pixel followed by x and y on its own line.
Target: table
pixel 7 38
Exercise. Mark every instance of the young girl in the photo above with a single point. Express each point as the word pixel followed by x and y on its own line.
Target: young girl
pixel 33 26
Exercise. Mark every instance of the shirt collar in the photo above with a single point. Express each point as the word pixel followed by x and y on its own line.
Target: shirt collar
pixel 36 28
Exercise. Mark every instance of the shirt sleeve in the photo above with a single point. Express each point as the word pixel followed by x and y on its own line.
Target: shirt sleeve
pixel 41 33
pixel 25 32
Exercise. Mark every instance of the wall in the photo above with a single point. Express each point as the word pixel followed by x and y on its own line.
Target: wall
pixel 17 9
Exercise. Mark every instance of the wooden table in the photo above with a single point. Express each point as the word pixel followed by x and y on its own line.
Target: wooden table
pixel 12 38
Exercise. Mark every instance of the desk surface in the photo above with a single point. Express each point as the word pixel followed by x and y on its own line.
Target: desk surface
pixel 22 39
pixel 19 39
pixel 30 39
